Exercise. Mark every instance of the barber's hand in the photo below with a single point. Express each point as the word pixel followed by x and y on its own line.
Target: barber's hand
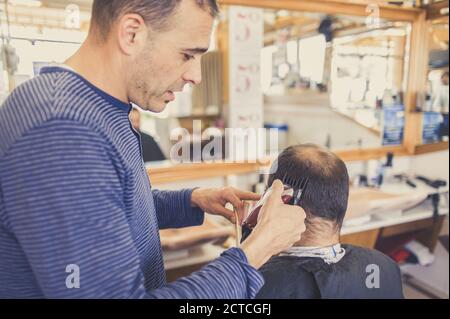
pixel 279 227
pixel 213 201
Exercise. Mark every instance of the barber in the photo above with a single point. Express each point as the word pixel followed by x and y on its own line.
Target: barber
pixel 81 220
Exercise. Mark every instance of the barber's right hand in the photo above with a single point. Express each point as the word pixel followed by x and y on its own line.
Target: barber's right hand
pixel 279 227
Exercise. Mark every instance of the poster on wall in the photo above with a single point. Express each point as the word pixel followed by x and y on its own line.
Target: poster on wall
pixel 431 131
pixel 393 124
pixel 246 43
pixel 246 97
pixel 246 30
pixel 246 82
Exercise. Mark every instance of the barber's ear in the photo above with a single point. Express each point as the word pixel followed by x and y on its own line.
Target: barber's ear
pixel 132 33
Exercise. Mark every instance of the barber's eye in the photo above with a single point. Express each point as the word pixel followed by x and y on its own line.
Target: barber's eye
pixel 187 57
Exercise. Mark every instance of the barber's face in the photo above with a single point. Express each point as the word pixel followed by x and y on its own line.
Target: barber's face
pixel 171 59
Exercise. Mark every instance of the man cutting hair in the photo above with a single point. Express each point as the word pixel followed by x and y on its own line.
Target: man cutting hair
pixel 75 198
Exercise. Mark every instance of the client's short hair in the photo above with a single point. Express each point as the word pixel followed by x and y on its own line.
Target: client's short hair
pixel 326 195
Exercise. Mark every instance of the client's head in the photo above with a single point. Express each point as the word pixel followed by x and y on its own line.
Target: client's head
pixel 326 196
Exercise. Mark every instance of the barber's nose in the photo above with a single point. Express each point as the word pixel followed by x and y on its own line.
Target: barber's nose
pixel 194 74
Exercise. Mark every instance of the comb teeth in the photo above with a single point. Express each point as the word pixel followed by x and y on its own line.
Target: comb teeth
pixel 298 184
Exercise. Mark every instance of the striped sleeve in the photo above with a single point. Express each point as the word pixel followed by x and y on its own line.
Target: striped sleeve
pixel 228 277
pixel 65 208
pixel 173 209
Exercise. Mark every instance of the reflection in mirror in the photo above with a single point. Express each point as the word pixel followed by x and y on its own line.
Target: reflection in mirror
pixel 368 73
pixel 330 79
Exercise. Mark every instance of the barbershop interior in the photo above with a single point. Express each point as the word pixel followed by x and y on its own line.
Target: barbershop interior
pixel 365 80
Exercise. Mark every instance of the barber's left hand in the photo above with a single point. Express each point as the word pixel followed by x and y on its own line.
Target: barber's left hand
pixel 213 201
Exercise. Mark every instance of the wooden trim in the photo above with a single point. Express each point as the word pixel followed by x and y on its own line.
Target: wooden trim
pixel 369 154
pixel 430 236
pixel 418 61
pixel 406 228
pixel 196 171
pixel 223 44
pixel 417 78
pixel 431 148
pixel 426 231
pixel 367 239
pixel 331 7
pixel 413 131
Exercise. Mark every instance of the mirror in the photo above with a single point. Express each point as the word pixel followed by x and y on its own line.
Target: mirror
pixel 334 80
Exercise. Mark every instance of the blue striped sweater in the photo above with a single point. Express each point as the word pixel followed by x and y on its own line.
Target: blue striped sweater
pixel 74 191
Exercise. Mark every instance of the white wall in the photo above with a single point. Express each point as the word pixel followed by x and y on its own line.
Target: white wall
pixel 433 165
pixel 311 119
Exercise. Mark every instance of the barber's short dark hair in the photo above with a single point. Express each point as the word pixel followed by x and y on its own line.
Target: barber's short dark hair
pixel 154 12
pixel 326 195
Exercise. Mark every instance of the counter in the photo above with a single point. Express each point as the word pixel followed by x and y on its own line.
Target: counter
pixel 365 234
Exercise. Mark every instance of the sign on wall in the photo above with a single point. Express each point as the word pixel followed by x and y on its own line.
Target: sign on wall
pixel 246 42
pixel 432 123
pixel 393 125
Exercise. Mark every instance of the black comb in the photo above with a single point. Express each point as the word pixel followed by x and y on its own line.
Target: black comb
pixel 298 185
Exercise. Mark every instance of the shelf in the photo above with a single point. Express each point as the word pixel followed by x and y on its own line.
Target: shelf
pixel 203 116
pixel 167 172
pixel 334 7
pixel 421 212
pixel 429 148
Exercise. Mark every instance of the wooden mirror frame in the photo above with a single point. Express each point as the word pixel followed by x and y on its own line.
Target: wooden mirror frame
pixel 417 68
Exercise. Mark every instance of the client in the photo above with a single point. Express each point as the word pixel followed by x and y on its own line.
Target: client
pixel 319 266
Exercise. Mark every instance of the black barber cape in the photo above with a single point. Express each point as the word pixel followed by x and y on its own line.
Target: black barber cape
pixel 353 277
